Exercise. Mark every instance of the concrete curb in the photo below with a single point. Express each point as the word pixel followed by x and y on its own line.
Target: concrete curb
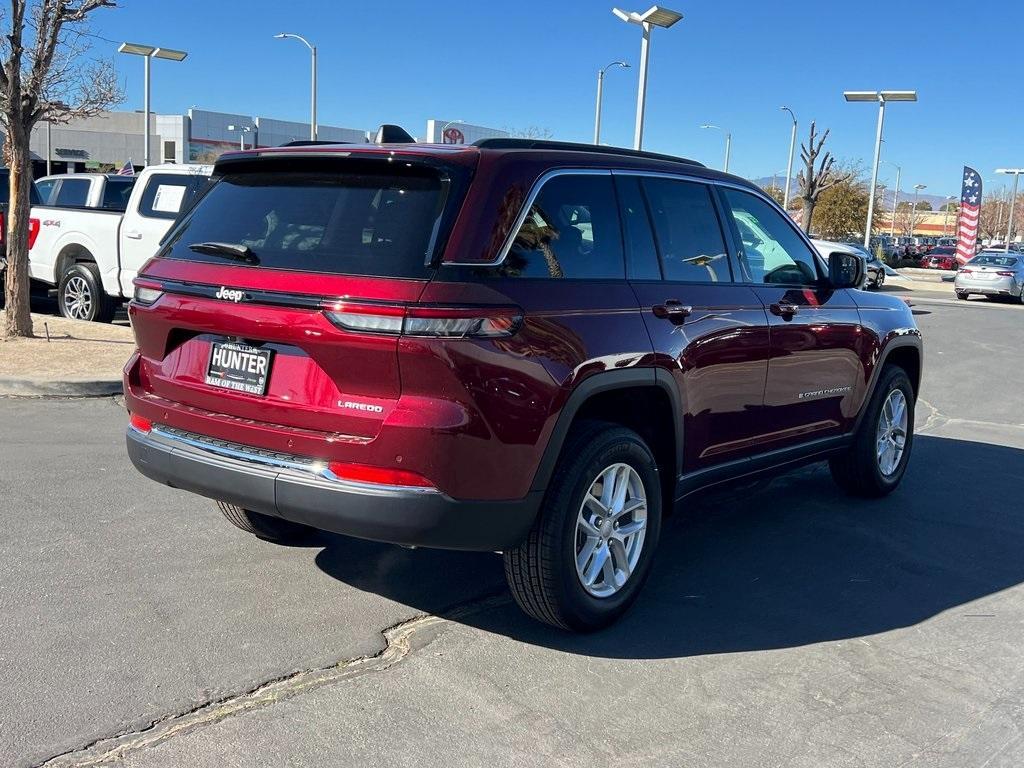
pixel 51 388
pixel 927 275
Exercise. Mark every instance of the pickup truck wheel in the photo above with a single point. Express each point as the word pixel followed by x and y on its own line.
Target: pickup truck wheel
pixel 273 529
pixel 590 550
pixel 80 294
pixel 874 465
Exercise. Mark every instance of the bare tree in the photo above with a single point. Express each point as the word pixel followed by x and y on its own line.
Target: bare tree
pixel 43 76
pixel 815 178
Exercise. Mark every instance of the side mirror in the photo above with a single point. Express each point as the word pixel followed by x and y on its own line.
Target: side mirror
pixel 845 270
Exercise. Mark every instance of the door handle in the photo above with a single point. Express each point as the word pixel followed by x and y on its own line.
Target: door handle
pixel 133 235
pixel 672 310
pixel 784 309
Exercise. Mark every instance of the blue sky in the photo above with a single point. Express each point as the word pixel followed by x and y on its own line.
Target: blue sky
pixel 534 63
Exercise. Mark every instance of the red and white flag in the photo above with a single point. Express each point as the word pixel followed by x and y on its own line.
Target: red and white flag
pixel 127 169
pixel 970 208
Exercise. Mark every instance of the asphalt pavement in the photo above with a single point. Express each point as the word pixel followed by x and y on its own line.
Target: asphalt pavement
pixel 784 624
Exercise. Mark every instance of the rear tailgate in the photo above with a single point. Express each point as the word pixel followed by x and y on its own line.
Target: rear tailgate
pixel 316 233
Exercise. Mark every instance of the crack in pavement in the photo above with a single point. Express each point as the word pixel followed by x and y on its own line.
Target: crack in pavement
pixel 401 639
pixel 938 419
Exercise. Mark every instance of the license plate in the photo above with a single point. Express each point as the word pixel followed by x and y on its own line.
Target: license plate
pixel 984 275
pixel 240 367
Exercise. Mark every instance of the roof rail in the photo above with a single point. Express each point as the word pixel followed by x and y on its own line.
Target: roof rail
pixel 571 146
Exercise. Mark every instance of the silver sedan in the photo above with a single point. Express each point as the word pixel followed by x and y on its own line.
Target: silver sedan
pixel 992 273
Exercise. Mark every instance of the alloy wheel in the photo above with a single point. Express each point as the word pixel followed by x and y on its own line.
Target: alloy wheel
pixel 610 530
pixel 891 436
pixel 77 298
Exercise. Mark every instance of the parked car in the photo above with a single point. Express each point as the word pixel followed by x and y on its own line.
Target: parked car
pixel 947 241
pixel 530 347
pixel 109 191
pixel 92 255
pixel 940 257
pixel 992 273
pixel 874 269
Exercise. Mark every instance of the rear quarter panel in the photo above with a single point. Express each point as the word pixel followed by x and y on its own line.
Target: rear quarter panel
pixel 64 229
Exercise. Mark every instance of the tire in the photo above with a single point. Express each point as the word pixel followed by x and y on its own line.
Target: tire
pixel 542 571
pixel 1020 298
pixel 80 294
pixel 273 529
pixel 859 470
pixel 962 295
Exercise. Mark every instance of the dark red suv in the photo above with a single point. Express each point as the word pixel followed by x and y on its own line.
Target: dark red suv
pixel 528 347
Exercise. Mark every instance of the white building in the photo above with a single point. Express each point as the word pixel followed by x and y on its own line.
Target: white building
pixel 110 140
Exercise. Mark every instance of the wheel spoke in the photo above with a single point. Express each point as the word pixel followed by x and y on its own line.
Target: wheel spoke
pixel 628 529
pixel 595 506
pixel 619 560
pixel 621 488
pixel 589 548
pixel 631 506
pixel 597 564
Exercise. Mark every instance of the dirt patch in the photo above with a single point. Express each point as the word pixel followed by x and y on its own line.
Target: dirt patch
pixel 76 351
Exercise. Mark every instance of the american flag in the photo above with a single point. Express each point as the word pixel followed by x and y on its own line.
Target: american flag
pixel 127 169
pixel 970 207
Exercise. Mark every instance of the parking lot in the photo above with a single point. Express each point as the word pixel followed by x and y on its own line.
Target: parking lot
pixel 784 624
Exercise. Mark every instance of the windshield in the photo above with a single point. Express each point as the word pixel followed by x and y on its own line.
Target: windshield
pixel 378 223
pixel 990 260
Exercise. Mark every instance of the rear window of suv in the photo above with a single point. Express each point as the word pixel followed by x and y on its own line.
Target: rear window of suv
pixel 379 223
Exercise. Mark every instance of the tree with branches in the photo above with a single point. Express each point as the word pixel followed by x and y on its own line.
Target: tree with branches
pixel 816 177
pixel 43 76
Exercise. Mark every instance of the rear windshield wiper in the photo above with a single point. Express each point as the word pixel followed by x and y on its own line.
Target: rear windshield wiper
pixel 228 250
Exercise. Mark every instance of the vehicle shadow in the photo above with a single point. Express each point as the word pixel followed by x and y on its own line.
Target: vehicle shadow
pixel 790 563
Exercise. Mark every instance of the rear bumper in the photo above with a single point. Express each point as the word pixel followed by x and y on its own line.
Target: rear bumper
pixel 296 491
pixel 1005 287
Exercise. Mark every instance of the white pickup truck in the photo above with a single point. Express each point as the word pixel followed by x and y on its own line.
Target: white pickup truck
pixel 92 255
pixel 86 190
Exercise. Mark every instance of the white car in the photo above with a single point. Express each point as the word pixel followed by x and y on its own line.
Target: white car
pixel 92 255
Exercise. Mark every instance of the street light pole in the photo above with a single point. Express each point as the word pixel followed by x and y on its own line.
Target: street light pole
pixel 728 143
pixel 1015 172
pixel 945 221
pixel 655 16
pixel 312 98
pixel 49 150
pixel 149 52
pixel 896 199
pixel 600 93
pixel 881 97
pixel 789 165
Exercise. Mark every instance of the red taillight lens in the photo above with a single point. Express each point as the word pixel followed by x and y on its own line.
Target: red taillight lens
pixel 1005 274
pixel 140 423
pixel 425 321
pixel 3 227
pixel 362 473
pixel 33 232
pixel 966 271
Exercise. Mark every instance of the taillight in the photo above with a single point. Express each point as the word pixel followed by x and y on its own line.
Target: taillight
pixel 362 473
pixel 3 227
pixel 425 321
pixel 1005 274
pixel 140 423
pixel 146 292
pixel 966 271
pixel 33 232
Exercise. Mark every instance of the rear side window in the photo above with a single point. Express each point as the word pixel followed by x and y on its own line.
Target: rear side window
pixel 571 231
pixel 116 193
pixel 641 255
pixel 44 188
pixel 378 223
pixel 73 192
pixel 772 251
pixel 168 194
pixel 687 231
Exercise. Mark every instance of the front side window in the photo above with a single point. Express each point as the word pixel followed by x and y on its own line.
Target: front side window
pixel 116 193
pixel 571 231
pixel 686 227
pixel 73 192
pixel 772 252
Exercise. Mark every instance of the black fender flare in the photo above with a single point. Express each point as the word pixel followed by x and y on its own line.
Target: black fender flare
pixel 599 383
pixel 906 338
